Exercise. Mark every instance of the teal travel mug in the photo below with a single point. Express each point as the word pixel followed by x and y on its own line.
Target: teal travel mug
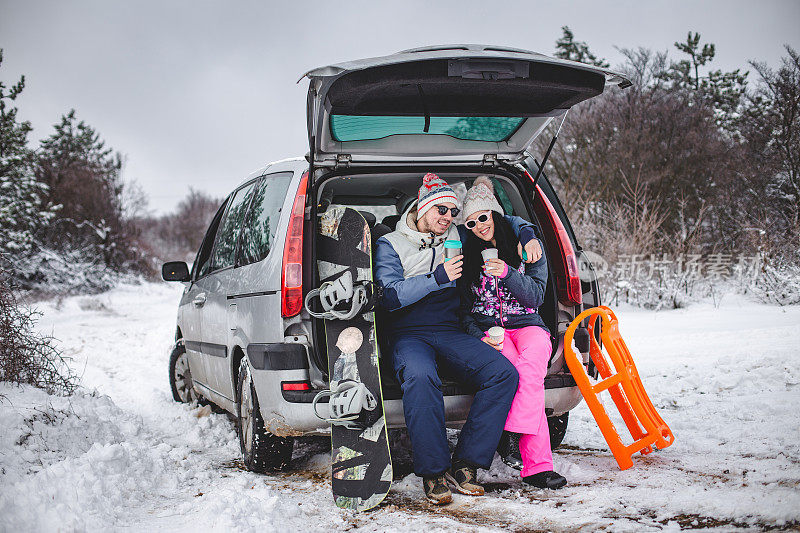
pixel 452 248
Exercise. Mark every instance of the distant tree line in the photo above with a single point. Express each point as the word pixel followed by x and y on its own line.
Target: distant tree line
pixel 177 235
pixel 68 221
pixel 689 160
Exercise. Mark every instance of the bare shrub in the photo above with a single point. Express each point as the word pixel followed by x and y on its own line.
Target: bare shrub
pixel 628 224
pixel 656 283
pixel 27 356
pixel 46 272
pixel 647 266
pixel 48 269
pixel 775 279
pixel 779 281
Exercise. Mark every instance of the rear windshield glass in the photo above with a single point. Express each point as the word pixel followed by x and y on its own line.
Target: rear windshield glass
pixel 361 128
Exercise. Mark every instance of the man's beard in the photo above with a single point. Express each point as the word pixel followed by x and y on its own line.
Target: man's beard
pixel 436 228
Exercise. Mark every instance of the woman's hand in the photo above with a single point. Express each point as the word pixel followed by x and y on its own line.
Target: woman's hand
pixel 496 345
pixel 496 267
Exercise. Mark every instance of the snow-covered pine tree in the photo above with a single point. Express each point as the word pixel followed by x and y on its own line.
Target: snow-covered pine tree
pixel 84 178
pixel 723 91
pixel 22 204
pixel 568 48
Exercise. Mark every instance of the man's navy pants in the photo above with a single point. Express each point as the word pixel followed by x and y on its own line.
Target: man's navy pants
pixel 416 357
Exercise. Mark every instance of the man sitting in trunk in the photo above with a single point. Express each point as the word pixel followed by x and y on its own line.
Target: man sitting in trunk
pixel 419 291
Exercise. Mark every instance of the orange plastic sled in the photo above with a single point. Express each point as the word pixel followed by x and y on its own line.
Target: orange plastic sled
pixel 626 389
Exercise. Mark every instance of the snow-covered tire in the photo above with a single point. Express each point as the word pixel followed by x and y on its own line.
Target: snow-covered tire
pixel 261 451
pixel 558 428
pixel 180 377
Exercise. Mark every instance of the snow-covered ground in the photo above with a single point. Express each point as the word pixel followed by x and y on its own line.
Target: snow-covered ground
pixel 121 455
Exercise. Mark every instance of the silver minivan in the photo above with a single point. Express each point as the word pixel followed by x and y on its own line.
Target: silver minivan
pixel 244 341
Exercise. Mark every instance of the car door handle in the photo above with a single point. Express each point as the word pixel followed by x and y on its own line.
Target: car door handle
pixel 200 299
pixel 232 317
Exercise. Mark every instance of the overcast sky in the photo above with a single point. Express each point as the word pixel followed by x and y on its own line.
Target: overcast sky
pixel 200 93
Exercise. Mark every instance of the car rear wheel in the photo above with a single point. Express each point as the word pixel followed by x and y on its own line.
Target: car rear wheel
pixel 558 428
pixel 180 376
pixel 261 451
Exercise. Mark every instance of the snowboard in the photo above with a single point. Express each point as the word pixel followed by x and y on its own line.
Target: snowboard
pixel 361 464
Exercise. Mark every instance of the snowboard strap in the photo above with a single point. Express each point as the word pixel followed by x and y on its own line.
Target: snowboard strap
pixel 352 298
pixel 348 404
pixel 361 488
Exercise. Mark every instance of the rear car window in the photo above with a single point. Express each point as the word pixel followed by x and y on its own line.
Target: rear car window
pixel 362 128
pixel 258 233
pixel 380 211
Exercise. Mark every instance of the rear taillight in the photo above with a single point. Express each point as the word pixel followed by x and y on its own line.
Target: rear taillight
pixel 292 271
pixel 565 263
pixel 295 385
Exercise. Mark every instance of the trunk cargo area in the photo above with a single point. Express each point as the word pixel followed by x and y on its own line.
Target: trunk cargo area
pixel 381 199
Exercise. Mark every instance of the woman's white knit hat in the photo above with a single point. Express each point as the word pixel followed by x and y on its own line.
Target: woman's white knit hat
pixel 480 197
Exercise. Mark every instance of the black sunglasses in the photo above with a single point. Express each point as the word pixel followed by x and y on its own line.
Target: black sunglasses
pixel 443 210
pixel 472 223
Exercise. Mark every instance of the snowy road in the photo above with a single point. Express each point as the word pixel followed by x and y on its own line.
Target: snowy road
pixel 121 455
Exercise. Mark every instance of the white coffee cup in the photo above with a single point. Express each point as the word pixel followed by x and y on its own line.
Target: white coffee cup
pixel 489 253
pixel 497 334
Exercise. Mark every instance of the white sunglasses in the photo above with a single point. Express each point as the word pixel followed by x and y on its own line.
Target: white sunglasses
pixel 472 223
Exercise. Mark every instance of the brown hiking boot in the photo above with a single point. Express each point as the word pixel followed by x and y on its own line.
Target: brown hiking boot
pixel 436 490
pixel 464 478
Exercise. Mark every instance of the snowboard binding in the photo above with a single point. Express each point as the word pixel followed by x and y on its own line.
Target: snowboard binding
pixel 350 404
pixel 341 299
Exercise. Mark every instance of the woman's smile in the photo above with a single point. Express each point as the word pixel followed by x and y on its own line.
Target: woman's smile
pixel 483 230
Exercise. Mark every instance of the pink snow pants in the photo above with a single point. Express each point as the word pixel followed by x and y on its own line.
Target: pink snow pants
pixel 528 349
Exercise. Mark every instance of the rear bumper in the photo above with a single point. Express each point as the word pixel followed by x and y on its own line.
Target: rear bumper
pixel 289 413
pixel 393 392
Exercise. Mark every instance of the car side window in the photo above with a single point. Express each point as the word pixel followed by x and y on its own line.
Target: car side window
pixel 258 233
pixel 202 261
pixel 224 252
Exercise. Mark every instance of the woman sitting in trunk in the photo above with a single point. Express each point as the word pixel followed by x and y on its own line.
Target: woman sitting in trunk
pixel 502 292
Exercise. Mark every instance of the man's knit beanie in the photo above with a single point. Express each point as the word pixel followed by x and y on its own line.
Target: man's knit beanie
pixel 480 197
pixel 434 191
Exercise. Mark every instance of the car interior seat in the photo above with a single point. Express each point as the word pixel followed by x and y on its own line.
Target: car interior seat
pixel 370 218
pixel 379 231
pixel 391 221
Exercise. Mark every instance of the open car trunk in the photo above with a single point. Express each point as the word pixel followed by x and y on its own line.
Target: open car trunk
pixel 382 195
pixel 376 125
pixel 462 102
